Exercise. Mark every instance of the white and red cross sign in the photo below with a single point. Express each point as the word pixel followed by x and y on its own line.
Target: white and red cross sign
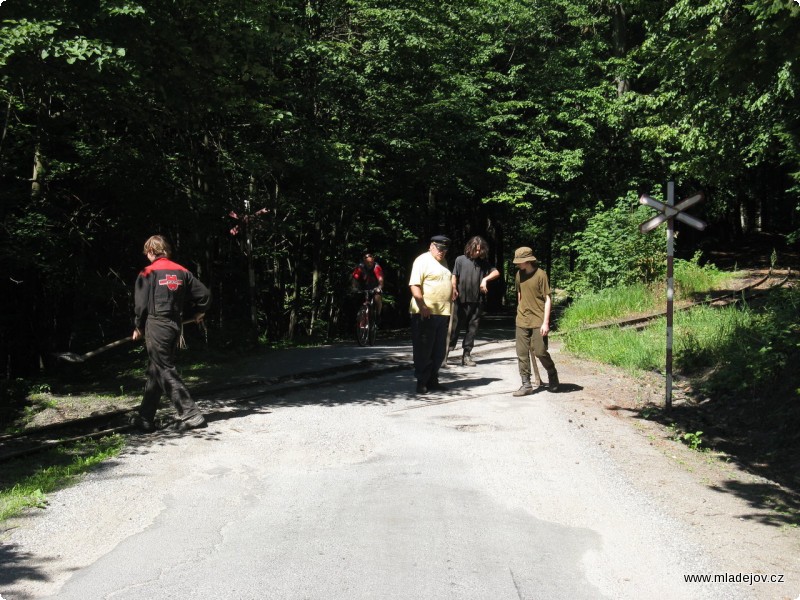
pixel 668 212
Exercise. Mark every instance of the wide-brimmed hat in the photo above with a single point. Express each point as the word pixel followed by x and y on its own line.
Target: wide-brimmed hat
pixel 523 255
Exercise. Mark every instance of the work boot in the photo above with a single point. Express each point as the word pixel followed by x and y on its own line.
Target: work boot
pixel 466 360
pixel 525 389
pixel 552 382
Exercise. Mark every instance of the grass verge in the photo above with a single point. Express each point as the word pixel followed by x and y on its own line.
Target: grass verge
pixel 25 483
pixel 731 350
pixel 739 374
pixel 691 281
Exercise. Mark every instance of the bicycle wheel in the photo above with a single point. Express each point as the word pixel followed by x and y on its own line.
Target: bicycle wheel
pixel 373 326
pixel 362 326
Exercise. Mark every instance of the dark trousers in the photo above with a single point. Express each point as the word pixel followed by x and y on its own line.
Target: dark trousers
pixel 429 340
pixel 161 338
pixel 530 346
pixel 467 315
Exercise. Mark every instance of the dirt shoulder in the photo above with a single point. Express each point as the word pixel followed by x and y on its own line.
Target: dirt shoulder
pixel 740 516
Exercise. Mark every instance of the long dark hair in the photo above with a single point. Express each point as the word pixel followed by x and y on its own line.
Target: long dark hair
pixel 472 246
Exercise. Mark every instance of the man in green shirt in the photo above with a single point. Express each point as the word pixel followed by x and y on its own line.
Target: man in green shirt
pixel 533 320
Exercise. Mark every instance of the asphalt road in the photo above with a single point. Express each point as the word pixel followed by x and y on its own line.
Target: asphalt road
pixel 364 490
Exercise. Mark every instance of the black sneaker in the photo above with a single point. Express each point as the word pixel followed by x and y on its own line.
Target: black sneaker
pixel 422 389
pixel 181 426
pixel 141 424
pixel 435 386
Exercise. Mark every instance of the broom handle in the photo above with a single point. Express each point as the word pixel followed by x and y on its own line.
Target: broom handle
pixel 102 349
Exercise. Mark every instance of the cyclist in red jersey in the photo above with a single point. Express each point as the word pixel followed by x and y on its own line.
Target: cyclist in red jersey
pixel 368 275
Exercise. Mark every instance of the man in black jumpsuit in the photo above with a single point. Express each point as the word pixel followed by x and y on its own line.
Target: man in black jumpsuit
pixel 161 291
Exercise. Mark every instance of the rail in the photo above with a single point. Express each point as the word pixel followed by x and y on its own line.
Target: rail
pixel 640 321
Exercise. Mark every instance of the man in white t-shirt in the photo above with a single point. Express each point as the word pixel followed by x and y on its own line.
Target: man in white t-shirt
pixel 432 294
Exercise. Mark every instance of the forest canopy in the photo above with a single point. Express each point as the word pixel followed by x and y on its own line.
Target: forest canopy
pixel 275 141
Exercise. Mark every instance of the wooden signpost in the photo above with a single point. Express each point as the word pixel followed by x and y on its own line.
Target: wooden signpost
pixel 669 212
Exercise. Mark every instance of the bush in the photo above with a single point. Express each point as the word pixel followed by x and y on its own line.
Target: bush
pixel 691 278
pixel 611 251
pixel 751 351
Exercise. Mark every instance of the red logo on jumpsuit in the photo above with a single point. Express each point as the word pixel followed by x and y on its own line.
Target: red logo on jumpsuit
pixel 171 281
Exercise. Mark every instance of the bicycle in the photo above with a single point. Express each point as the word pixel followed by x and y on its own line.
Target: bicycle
pixel 366 320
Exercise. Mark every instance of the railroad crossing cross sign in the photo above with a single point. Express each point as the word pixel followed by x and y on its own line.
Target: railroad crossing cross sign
pixel 669 212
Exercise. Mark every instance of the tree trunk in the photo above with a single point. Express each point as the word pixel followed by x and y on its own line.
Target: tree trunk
pixel 431 214
pixel 251 271
pixel 744 215
pixel 294 311
pixel 497 294
pixel 316 272
pixel 620 35
pixel 5 123
pixel 38 173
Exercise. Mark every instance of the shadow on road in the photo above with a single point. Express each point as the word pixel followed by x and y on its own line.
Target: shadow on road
pixel 748 435
pixel 19 565
pixel 783 505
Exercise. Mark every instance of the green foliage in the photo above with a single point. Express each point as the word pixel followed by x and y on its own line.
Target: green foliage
pixel 692 278
pixel 719 109
pixel 693 440
pixel 368 124
pixel 611 251
pixel 607 304
pixel 749 350
pixel 700 336
pixel 631 350
pixel 739 350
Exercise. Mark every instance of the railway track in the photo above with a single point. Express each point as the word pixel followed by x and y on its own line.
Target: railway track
pixel 753 290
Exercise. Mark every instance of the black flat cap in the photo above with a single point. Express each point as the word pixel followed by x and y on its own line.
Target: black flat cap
pixel 442 240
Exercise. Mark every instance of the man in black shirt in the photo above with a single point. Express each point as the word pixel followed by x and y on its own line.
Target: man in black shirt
pixel 471 274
